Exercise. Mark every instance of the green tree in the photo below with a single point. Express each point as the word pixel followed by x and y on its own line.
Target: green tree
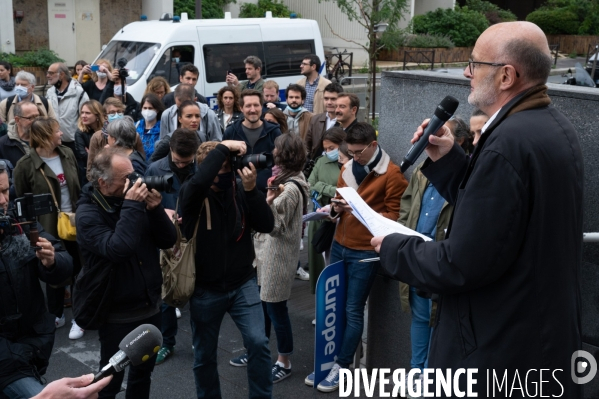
pixel 462 25
pixel 279 10
pixel 210 8
pixel 370 14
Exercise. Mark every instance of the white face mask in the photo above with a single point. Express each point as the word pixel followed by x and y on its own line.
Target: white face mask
pixel 118 90
pixel 101 75
pixel 148 114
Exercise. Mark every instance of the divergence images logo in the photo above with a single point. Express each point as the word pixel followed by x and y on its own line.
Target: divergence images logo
pixel 581 362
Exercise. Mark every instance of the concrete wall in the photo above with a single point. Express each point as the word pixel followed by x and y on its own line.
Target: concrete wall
pixel 153 9
pixel 409 97
pixel 7 30
pixel 115 14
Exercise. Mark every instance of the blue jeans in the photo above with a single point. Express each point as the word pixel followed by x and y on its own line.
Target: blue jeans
pixel 169 325
pixel 359 280
pixel 24 388
pixel 420 331
pixel 207 310
pixel 276 313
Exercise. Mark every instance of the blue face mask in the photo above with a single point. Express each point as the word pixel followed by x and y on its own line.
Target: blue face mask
pixel 114 117
pixel 21 92
pixel 298 109
pixel 333 155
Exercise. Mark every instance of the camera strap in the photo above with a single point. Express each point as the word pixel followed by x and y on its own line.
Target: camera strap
pixel 51 190
pixel 100 200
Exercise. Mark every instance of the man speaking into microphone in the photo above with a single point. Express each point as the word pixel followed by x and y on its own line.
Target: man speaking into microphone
pixel 510 303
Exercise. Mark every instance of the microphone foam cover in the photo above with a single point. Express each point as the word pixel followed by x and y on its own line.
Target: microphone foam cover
pixel 447 108
pixel 141 344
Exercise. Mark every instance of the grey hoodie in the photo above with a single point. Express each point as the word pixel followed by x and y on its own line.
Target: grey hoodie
pixel 210 128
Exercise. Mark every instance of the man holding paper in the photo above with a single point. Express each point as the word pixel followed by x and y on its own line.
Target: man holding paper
pixel 510 302
pixel 380 183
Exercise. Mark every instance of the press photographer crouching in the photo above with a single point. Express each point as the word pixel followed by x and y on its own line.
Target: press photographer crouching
pixel 120 227
pixel 26 326
pixel 228 211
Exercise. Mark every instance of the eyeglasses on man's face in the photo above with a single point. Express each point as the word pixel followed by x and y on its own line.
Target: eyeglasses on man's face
pixel 359 153
pixel 471 66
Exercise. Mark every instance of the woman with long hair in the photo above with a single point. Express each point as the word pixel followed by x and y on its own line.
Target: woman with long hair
pixel 228 106
pixel 50 167
pixel 277 253
pixel 91 120
pixel 275 115
pixel 148 127
pixel 158 86
pixel 79 65
pixel 96 85
pixel 7 81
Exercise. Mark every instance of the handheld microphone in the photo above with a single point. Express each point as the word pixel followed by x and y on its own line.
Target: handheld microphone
pixel 139 346
pixel 443 112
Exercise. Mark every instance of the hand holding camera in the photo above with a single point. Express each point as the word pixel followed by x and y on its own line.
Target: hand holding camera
pixel 248 177
pixel 138 192
pixel 46 253
pixel 239 147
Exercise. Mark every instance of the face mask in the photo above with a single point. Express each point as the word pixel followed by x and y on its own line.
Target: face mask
pixel 101 75
pixel 225 180
pixel 149 114
pixel 176 60
pixel 333 155
pixel 112 118
pixel 298 109
pixel 58 84
pixel 21 92
pixel 118 90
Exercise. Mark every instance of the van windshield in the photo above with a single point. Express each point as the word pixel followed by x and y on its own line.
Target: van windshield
pixel 138 55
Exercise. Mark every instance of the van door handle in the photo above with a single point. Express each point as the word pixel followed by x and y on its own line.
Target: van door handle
pixel 73 26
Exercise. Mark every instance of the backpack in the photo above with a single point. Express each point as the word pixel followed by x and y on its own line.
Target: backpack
pixel 10 99
pixel 178 264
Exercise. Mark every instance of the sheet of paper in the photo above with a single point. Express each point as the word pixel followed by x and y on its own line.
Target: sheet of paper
pixel 377 224
pixel 315 216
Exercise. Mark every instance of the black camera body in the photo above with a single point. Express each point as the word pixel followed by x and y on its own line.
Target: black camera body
pixel 163 184
pixel 123 73
pixel 30 206
pixel 260 161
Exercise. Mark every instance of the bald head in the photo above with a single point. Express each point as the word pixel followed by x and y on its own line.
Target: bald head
pixel 521 44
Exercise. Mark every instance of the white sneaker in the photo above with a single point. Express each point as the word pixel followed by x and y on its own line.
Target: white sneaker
pixel 76 331
pixel 314 322
pixel 302 274
pixel 59 322
pixel 178 312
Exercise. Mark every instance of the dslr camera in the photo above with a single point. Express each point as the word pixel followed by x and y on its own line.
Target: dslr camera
pixel 260 161
pixel 163 184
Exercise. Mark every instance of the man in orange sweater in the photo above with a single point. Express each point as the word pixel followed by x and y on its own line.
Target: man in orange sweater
pixel 381 184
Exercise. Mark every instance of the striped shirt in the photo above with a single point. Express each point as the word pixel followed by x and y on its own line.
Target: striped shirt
pixel 310 91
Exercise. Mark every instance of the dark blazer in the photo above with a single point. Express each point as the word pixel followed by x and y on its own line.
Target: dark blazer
pixel 508 271
pixel 224 254
pixel 316 129
pixel 11 149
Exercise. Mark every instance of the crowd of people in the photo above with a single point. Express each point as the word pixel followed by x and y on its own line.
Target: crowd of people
pixel 88 143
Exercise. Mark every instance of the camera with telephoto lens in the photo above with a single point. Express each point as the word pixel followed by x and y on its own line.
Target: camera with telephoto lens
pixel 163 184
pixel 260 161
pixel 123 73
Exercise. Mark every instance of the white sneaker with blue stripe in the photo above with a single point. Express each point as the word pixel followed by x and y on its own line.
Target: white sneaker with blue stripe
pixel 331 382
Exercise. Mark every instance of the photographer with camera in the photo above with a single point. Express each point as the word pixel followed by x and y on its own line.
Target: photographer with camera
pixel 225 211
pixel 258 134
pixel 26 326
pixel 117 87
pixel 120 227
pixel 180 164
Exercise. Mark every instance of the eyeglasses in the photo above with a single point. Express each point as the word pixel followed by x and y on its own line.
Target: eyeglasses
pixel 51 72
pixel 358 154
pixel 115 113
pixel 29 118
pixel 305 64
pixel 495 64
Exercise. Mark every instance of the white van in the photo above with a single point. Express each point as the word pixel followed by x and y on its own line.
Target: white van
pixel 214 46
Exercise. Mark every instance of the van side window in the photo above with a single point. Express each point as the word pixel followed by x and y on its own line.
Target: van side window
pixel 219 58
pixel 284 58
pixel 171 62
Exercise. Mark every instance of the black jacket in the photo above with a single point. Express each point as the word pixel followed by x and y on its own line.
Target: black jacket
pixel 169 99
pixel 132 107
pixel 26 342
pixel 224 254
pixel 266 143
pixel 508 270
pixel 129 237
pixel 82 140
pixel 11 149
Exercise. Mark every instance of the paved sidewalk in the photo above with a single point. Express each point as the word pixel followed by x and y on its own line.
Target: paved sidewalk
pixel 174 378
